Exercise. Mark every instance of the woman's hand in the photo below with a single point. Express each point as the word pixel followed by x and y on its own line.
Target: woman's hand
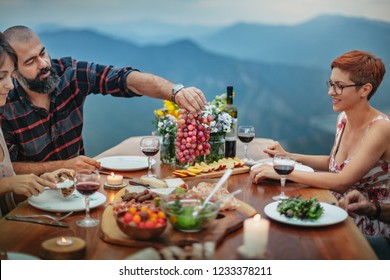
pixel 275 148
pixel 263 171
pixel 27 185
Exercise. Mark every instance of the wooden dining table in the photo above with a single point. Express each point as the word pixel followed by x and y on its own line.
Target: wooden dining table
pixel 340 241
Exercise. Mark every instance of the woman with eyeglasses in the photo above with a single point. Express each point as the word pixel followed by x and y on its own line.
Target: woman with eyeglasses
pixel 10 184
pixel 360 157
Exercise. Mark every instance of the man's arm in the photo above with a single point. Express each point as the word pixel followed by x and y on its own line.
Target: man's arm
pixel 189 98
pixel 80 162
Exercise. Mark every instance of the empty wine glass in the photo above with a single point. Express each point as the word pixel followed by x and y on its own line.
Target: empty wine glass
pixel 150 145
pixel 283 165
pixel 87 182
pixel 246 135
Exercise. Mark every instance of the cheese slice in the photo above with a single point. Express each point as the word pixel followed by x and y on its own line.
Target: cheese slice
pixel 153 182
pixel 174 183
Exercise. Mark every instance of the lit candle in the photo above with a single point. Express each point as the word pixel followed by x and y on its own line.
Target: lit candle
pixel 255 236
pixel 62 241
pixel 114 179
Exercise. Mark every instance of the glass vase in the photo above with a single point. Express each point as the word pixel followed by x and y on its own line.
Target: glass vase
pixel 217 147
pixel 181 165
pixel 168 150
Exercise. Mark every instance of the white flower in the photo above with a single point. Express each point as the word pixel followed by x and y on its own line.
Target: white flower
pixel 222 122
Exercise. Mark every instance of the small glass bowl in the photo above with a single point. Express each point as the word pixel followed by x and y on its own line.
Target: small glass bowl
pixel 186 215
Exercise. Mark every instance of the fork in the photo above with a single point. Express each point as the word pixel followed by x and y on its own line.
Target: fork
pixel 45 216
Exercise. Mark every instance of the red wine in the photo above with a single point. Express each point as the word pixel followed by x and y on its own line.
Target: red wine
pixel 283 169
pixel 87 188
pixel 150 151
pixel 246 138
pixel 230 148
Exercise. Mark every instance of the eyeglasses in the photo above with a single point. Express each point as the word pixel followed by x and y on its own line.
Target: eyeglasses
pixel 338 89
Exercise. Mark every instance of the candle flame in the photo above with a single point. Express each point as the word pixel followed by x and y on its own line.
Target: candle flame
pixel 63 239
pixel 113 174
pixel 257 218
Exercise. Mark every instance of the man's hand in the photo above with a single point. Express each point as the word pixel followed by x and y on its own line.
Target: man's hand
pixel 356 202
pixel 82 162
pixel 53 176
pixel 191 99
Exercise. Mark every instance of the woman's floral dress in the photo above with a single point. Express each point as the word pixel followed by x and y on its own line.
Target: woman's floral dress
pixel 375 185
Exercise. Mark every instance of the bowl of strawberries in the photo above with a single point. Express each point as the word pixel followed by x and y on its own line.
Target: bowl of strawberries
pixel 142 222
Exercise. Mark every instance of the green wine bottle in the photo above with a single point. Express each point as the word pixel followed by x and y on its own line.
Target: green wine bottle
pixel 231 137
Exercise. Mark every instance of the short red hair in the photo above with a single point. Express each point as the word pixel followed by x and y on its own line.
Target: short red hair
pixel 363 67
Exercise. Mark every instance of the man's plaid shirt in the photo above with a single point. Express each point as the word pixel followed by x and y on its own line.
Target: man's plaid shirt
pixel 35 134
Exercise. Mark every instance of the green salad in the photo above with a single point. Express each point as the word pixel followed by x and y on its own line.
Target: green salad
pixel 301 209
pixel 183 217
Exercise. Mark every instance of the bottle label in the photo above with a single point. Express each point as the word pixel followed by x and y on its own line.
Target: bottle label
pixel 232 135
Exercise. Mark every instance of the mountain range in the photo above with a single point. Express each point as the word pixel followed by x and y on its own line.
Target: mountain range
pixel 278 74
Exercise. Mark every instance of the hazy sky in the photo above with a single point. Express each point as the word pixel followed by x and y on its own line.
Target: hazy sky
pixel 75 13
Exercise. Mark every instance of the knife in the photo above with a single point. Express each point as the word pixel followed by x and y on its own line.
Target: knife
pixel 36 221
pixel 109 173
pixel 139 184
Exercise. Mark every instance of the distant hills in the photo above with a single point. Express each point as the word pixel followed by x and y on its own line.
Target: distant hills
pixel 278 92
pixel 314 43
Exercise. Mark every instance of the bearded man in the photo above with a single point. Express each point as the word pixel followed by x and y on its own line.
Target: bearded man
pixel 43 118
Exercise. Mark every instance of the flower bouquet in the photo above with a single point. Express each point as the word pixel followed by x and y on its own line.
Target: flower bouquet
pixel 165 123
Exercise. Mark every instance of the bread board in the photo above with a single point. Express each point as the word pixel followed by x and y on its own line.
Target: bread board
pixel 226 222
pixel 216 174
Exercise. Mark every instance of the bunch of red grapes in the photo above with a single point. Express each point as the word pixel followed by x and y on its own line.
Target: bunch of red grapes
pixel 193 133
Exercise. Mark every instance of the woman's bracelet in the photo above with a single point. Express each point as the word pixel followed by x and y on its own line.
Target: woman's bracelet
pixel 377 212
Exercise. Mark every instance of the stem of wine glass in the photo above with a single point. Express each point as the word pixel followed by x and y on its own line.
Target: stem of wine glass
pixel 87 207
pixel 282 184
pixel 246 150
pixel 149 166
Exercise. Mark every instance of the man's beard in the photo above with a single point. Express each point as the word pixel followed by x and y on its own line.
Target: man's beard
pixel 45 86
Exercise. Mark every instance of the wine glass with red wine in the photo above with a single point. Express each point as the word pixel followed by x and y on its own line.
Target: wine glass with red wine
pixel 246 135
pixel 283 165
pixel 150 146
pixel 87 182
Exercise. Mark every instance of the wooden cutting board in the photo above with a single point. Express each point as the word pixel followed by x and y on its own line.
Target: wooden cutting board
pixel 216 174
pixel 227 222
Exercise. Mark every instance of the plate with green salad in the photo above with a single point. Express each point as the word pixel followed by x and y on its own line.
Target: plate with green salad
pixel 307 213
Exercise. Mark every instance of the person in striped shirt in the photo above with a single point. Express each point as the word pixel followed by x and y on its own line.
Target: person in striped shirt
pixel 43 118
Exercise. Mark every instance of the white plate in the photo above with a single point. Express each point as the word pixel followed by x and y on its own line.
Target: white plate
pixel 125 163
pixel 51 200
pixel 20 256
pixel 332 215
pixel 298 166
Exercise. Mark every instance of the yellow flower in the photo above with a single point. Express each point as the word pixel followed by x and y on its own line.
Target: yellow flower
pixel 171 108
pixel 158 113
pixel 176 114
